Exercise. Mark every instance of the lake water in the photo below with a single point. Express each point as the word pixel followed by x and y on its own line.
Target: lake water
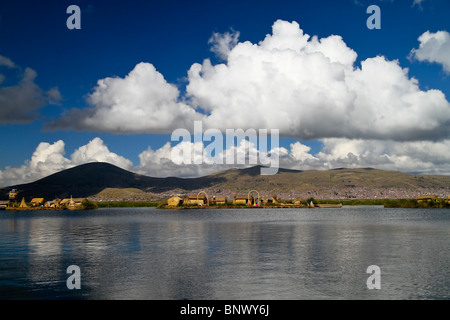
pixel 282 254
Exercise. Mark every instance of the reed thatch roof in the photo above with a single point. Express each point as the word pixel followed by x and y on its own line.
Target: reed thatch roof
pixel 427 197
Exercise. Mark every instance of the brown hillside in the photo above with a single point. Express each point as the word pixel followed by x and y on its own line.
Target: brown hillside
pixel 92 179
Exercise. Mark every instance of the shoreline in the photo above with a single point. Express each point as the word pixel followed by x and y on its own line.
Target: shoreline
pixel 228 207
pixel 332 204
pixel 38 209
pixel 285 206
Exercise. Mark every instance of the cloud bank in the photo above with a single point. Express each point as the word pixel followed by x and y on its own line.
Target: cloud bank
pixel 368 115
pixel 310 89
pixel 418 157
pixel 306 87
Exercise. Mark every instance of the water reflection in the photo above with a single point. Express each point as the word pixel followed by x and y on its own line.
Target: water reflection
pixel 227 254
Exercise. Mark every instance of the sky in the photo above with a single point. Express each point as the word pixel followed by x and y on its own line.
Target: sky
pixel 339 92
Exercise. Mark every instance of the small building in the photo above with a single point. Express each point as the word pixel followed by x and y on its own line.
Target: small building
pixel 243 199
pixel 23 204
pixel 174 201
pixel 13 195
pixel 52 204
pixel 427 198
pixel 4 204
pixel 299 201
pixel 37 202
pixel 64 202
pixel 199 200
pixel 220 200
pixel 72 203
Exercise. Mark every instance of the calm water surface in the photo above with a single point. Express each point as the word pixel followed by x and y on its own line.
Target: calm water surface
pixel 228 254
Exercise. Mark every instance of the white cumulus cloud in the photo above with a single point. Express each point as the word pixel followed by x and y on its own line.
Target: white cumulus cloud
pixel 310 88
pixel 193 159
pixel 223 43
pixel 414 156
pixel 306 87
pixel 49 158
pixel 46 160
pixel 434 48
pixel 141 102
pixel 97 151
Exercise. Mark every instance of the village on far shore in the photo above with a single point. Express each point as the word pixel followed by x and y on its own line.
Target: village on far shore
pixel 41 204
pixel 251 199
pixel 201 200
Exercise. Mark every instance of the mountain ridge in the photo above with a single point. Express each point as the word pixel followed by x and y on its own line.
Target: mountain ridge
pixel 90 179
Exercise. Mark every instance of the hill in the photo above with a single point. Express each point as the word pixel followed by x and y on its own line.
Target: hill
pixel 92 178
pixel 287 180
pixel 363 183
pixel 106 180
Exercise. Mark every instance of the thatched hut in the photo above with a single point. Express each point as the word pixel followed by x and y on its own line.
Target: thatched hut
pixel 4 204
pixel 37 202
pixel 220 200
pixel 13 195
pixel 427 198
pixel 23 204
pixel 52 204
pixel 72 203
pixel 174 201
pixel 243 199
pixel 198 199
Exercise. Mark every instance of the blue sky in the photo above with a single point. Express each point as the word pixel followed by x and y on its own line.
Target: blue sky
pixel 55 72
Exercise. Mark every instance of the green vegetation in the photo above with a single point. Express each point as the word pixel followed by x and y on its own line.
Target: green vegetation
pixel 413 203
pixel 353 202
pixel 128 204
pixel 401 203
pixel 89 205
pixel 162 204
pixel 123 194
pixel 390 203
pixel 387 203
